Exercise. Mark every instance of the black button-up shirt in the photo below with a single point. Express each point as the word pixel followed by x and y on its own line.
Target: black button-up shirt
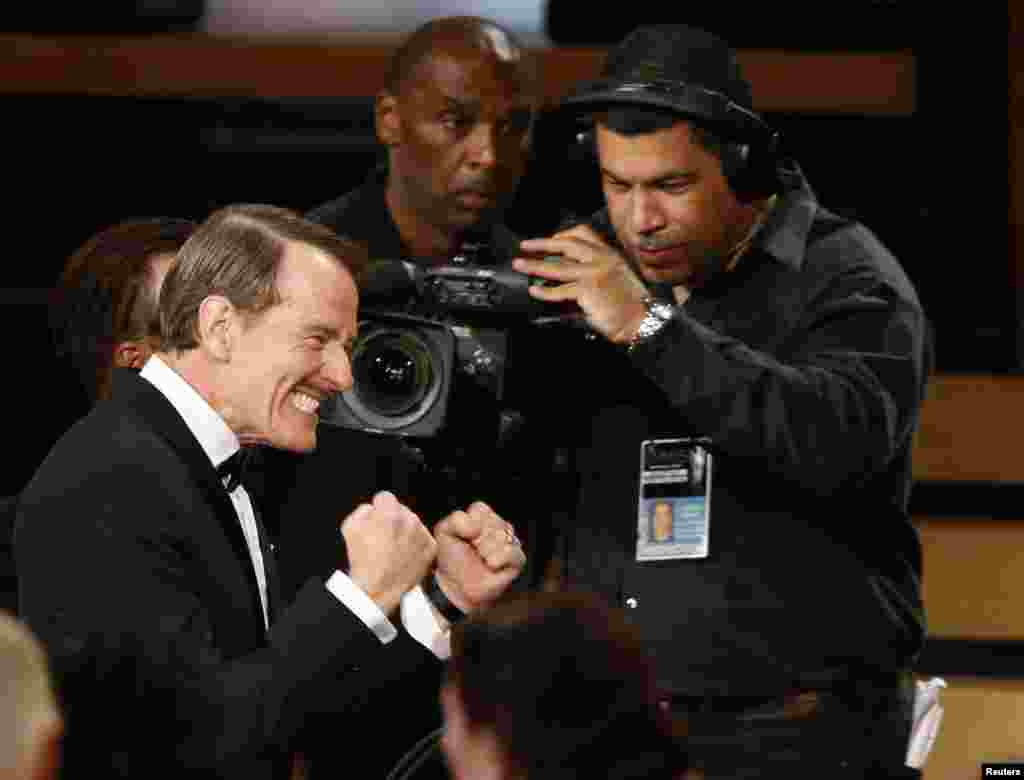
pixel 805 366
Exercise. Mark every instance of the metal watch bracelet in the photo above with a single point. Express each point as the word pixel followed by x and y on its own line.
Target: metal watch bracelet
pixel 658 314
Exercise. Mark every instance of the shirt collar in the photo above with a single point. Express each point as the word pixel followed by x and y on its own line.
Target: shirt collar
pixel 374 219
pixel 379 230
pixel 218 441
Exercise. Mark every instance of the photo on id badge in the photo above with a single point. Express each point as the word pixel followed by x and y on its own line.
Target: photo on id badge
pixel 674 513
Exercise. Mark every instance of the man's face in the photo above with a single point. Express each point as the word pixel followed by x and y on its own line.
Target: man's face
pixel 669 203
pixel 133 353
pixel 294 354
pixel 458 134
pixel 159 265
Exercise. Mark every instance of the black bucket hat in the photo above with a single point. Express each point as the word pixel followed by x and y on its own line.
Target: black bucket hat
pixel 672 66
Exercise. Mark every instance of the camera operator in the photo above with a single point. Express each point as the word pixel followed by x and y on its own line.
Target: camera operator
pixel 783 606
pixel 455 119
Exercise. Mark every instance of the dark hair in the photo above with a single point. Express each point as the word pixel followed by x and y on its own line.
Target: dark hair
pixel 435 34
pixel 636 120
pixel 104 294
pixel 236 253
pixel 567 687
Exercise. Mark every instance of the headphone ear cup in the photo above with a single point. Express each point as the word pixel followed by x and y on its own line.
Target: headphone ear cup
pixel 734 158
pixel 584 147
pixel 752 169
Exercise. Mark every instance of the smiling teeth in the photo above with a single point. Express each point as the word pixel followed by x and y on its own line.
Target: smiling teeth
pixel 305 403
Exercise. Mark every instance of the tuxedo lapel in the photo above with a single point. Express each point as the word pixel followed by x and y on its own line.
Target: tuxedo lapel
pixel 157 411
pixel 269 567
pixel 254 481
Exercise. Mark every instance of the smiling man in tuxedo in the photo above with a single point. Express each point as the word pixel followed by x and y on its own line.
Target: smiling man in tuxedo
pixel 143 564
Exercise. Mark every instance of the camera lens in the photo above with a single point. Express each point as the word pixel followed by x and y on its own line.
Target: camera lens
pixel 392 372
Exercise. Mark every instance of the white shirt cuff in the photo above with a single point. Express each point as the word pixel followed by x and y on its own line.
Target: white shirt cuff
pixel 362 606
pixel 421 623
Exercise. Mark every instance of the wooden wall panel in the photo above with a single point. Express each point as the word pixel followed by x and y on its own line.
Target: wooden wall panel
pixel 872 83
pixel 972 429
pixel 973 578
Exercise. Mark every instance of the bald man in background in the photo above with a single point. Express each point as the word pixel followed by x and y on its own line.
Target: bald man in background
pixel 455 120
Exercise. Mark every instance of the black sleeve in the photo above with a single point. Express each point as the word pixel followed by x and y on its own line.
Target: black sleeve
pixel 109 582
pixel 838 406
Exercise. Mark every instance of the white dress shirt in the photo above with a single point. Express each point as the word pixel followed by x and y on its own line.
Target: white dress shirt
pixel 219 443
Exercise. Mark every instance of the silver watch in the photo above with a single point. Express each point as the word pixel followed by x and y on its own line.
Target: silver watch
pixel 658 315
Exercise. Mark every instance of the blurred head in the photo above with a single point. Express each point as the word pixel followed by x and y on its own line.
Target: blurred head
pixel 456 117
pixel 30 722
pixel 258 313
pixel 553 685
pixel 104 313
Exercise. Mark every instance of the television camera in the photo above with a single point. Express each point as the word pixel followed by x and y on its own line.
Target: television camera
pixel 431 334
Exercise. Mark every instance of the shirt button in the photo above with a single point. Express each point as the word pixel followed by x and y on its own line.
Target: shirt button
pixel 631 602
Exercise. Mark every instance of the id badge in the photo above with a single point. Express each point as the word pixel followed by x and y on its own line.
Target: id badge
pixel 674 514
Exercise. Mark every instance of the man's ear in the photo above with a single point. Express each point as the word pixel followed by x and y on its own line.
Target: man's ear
pixel 131 354
pixel 388 119
pixel 217 326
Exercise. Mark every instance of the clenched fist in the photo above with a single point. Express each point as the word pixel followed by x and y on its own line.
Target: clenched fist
pixel 389 549
pixel 478 556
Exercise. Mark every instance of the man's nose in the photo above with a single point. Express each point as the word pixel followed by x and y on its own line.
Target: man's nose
pixel 646 214
pixel 337 368
pixel 482 147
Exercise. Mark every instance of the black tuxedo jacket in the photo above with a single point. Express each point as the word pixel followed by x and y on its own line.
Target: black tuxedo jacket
pixel 134 571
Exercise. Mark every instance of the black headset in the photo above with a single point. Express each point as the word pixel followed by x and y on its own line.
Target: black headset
pixel 751 148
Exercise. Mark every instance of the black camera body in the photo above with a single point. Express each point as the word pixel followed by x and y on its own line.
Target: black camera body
pixel 480 290
pixel 429 334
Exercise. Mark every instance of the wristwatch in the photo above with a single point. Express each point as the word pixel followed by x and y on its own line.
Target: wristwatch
pixel 658 314
pixel 441 602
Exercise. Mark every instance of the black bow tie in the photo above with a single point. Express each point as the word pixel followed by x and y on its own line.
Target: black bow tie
pixel 235 468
